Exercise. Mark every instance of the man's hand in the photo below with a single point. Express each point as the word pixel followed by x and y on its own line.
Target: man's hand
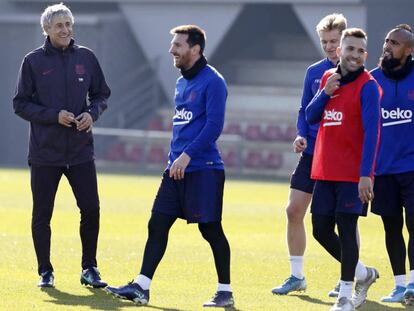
pixel 178 167
pixel 66 118
pixel 332 84
pixel 84 122
pixel 365 189
pixel 299 144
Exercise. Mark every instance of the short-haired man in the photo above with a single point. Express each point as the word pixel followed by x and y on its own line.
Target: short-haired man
pixel 192 185
pixel 329 30
pixel 347 108
pixel 54 83
pixel 394 172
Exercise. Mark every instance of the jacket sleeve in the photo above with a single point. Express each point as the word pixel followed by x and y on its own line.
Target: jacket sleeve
pixel 215 109
pixel 98 92
pixel 23 103
pixel 370 108
pixel 314 111
pixel 301 123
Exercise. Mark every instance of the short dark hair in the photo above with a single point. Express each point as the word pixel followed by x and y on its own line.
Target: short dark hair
pixel 408 31
pixel 404 27
pixel 354 32
pixel 196 35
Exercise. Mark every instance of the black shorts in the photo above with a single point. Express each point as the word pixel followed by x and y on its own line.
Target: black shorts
pixel 392 193
pixel 300 179
pixel 198 197
pixel 330 197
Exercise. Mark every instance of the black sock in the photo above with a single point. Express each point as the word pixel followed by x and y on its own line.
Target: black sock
pixel 158 228
pixel 213 233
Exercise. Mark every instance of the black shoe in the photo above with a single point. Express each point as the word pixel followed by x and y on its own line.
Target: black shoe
pixel 92 277
pixel 46 279
pixel 221 299
pixel 131 291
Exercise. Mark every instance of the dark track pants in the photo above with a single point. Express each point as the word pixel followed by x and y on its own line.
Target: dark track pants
pixel 44 183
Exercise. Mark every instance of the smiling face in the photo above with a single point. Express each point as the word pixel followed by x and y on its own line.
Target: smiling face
pixel 330 41
pixel 60 31
pixel 183 54
pixel 352 54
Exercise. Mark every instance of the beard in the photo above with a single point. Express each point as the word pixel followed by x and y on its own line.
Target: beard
pixel 388 64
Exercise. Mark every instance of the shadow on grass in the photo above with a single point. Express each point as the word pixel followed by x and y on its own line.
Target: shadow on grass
pixel 370 305
pixel 98 300
pixel 170 309
pixel 367 306
pixel 162 308
pixel 313 300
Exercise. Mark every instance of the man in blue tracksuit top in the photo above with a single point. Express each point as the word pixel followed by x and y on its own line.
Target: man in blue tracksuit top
pixel 192 185
pixel 394 174
pixel 54 83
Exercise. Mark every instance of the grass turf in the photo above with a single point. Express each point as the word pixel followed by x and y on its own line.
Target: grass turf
pixel 254 222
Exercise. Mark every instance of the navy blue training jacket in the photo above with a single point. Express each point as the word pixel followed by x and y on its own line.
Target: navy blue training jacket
pixel 200 105
pixel 50 80
pixel 396 149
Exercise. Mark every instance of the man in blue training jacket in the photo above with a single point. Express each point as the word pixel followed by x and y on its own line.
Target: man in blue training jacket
pixel 192 185
pixel 54 83
pixel 394 173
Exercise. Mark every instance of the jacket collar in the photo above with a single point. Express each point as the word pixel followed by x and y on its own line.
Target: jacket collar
pixel 350 76
pixel 197 67
pixel 50 49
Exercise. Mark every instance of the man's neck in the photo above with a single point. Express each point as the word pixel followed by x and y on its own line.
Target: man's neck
pixel 344 72
pixel 333 60
pixel 402 64
pixel 192 63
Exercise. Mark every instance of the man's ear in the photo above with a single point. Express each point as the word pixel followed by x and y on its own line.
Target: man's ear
pixel 46 29
pixel 196 50
pixel 408 52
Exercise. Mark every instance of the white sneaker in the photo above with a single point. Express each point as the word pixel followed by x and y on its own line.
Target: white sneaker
pixel 361 287
pixel 335 291
pixel 343 304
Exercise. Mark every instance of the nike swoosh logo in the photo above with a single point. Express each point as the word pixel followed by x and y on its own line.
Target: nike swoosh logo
pixel 139 295
pixel 333 96
pixel 46 72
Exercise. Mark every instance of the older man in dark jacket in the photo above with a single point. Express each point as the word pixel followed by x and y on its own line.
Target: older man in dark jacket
pixel 61 91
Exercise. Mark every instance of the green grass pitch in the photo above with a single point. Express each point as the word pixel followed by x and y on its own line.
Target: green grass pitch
pixel 254 221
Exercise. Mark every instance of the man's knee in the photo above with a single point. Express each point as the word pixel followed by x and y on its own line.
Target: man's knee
pixel 90 212
pixel 297 206
pixel 159 225
pixel 295 212
pixel 41 215
pixel 318 233
pixel 212 231
pixel 321 227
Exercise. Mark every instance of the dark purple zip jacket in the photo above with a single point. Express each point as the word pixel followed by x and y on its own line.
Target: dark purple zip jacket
pixel 50 80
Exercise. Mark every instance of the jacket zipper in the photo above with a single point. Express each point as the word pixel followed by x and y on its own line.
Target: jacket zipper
pixel 65 61
pixel 396 87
